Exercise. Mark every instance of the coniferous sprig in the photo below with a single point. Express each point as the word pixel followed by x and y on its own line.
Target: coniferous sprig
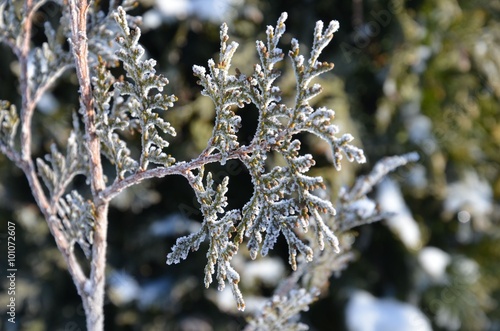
pixel 102 31
pixel 284 202
pixel 262 91
pixel 354 207
pixel 110 118
pixel 48 61
pixel 225 91
pixel 58 170
pixel 318 121
pixel 10 21
pixel 283 198
pixel 218 230
pixel 282 312
pixel 141 103
pixel 9 120
pixel 76 220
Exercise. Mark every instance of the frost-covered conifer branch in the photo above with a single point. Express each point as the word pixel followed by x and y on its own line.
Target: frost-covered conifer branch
pixel 111 118
pixel 77 220
pixel 365 184
pixel 63 168
pixel 282 312
pixel 140 102
pixel 103 29
pixel 312 277
pixel 218 230
pixel 282 200
pixel 224 90
pixel 15 31
pixel 354 207
pixel 286 200
pixel 9 120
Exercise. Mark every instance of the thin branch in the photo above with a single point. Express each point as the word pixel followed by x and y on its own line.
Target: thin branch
pixel 28 106
pixel 78 13
pixel 49 82
pixel 27 110
pixel 93 297
pixel 180 168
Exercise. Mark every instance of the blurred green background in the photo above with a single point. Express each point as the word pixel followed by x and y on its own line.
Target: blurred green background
pixel 409 76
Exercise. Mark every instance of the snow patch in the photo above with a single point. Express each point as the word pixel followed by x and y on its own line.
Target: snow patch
pixel 364 312
pixel 401 222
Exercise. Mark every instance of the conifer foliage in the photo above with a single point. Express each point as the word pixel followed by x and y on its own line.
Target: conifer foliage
pixel 286 199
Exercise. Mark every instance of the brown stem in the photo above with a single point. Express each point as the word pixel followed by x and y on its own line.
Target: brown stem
pixel 27 106
pixel 93 295
pixel 180 168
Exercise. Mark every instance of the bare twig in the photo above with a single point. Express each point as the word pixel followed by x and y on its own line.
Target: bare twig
pixel 179 168
pixel 93 294
pixel 28 106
